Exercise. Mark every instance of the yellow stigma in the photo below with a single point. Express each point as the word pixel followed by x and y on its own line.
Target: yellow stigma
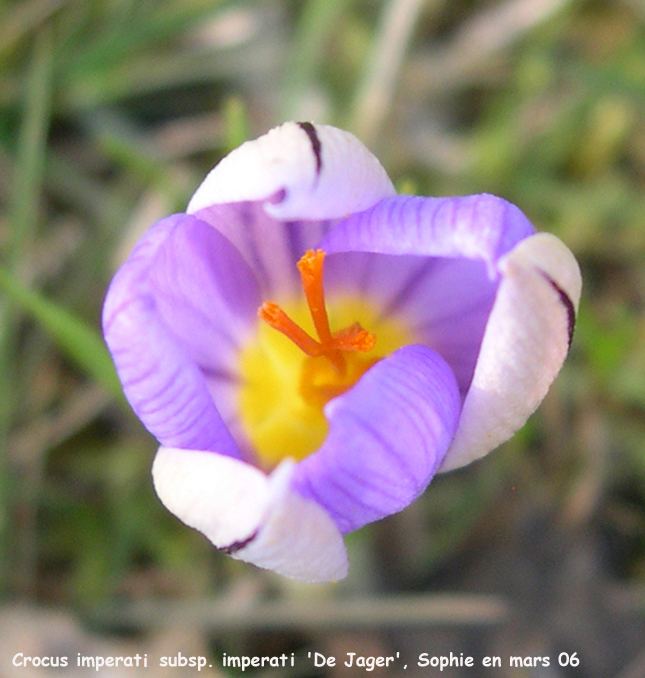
pixel 288 376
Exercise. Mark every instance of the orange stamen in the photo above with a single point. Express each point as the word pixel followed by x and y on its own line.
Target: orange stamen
pixel 352 338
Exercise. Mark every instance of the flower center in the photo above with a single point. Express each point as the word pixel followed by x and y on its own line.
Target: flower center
pixel 287 382
pixel 331 346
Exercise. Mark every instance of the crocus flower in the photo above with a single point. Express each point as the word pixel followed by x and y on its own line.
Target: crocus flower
pixel 309 348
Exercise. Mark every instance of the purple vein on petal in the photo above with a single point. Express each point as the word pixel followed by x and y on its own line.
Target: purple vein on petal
pixel 294 238
pixel 417 277
pixel 249 227
pixel 397 423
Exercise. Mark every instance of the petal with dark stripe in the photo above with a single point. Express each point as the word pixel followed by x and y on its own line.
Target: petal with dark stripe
pixel 526 341
pixel 295 178
pixel 252 516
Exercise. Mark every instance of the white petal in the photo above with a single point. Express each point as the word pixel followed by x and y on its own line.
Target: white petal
pixel 255 517
pixel 224 498
pixel 525 343
pixel 301 171
pixel 298 539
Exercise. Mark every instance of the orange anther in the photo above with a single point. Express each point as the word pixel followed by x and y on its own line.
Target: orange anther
pixel 311 274
pixel 273 315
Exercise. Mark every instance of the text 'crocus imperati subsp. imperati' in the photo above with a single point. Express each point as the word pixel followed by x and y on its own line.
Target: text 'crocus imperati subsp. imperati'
pixel 309 348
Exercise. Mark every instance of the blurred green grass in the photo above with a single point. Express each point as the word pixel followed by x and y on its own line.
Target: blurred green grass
pixel 110 113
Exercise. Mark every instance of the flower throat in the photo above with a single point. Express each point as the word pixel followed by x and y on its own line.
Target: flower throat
pixel 286 384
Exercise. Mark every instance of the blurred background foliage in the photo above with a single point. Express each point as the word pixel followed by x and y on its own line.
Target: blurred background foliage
pixel 111 111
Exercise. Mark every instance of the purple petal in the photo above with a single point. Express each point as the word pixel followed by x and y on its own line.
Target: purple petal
pixel 443 281
pixel 387 437
pixel 204 292
pixel 481 227
pixel 444 303
pixel 173 317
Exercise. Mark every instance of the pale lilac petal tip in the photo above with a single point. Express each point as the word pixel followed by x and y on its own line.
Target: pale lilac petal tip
pixel 387 437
